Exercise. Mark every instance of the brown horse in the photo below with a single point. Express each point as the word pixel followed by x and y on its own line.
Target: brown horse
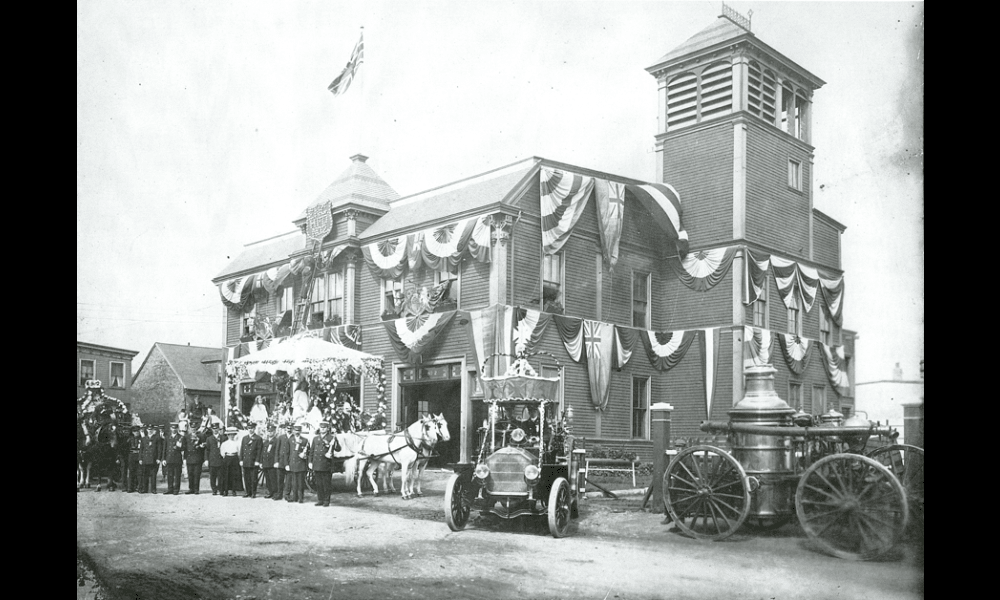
pixel 101 444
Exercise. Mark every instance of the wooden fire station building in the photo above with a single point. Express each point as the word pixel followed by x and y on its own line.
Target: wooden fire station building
pixel 642 292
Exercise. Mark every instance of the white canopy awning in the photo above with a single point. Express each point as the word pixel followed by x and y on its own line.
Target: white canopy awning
pixel 307 353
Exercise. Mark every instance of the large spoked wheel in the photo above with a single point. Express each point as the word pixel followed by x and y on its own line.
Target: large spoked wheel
pixel 705 491
pixel 559 508
pixel 851 506
pixel 457 502
pixel 906 462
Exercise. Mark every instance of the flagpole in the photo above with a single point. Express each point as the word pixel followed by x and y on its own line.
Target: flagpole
pixel 364 100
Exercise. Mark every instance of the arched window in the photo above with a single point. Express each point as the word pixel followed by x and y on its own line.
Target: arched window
pixel 761 88
pixel 716 90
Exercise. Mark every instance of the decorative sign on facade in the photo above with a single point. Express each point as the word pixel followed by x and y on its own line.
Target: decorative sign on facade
pixel 319 221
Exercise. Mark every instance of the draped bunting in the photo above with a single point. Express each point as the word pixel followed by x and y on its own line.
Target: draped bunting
pixel 482 332
pixel 835 365
pixel 529 326
pixel 796 283
pixel 569 330
pixel 563 198
pixel 832 293
pixel 704 269
pixel 667 198
pixel 756 346
pixel 665 349
pixel 345 335
pixel 440 246
pixel 479 242
pixel 626 340
pixel 386 258
pixel 236 293
pixel 709 353
pixel 756 277
pixel 610 197
pixel 795 351
pixel 410 336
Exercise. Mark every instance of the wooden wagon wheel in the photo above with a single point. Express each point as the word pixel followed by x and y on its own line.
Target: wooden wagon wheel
pixel 706 484
pixel 457 501
pixel 906 462
pixel 851 506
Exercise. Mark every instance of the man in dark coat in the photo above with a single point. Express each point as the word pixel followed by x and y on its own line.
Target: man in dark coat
pixel 284 484
pixel 130 471
pixel 297 463
pixel 213 447
pixel 321 462
pixel 173 458
pixel 194 456
pixel 250 455
pixel 268 459
pixel 149 457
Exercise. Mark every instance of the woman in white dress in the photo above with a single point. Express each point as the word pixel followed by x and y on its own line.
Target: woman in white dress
pixel 258 414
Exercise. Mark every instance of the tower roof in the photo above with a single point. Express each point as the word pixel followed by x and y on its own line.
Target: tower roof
pixel 359 186
pixel 723 32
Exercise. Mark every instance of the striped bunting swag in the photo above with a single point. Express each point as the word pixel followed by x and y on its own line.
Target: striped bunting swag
pixel 832 293
pixel 529 327
pixel 665 349
pixel 796 283
pixel 795 351
pixel 756 277
pixel 757 347
pixel 667 198
pixel 410 336
pixel 835 365
pixel 704 269
pixel 563 197
pixel 709 364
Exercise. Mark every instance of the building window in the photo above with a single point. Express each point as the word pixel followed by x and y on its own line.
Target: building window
pixel 448 272
pixel 819 400
pixel 286 300
pixel 317 304
pixel 249 316
pixel 760 307
pixel 640 407
pixel 392 290
pixel 795 321
pixel 640 300
pixel 795 175
pixel 824 328
pixel 86 370
pixel 552 282
pixel 335 297
pixel 795 395
pixel 116 377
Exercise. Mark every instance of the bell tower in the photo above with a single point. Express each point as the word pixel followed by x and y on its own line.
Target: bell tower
pixel 734 137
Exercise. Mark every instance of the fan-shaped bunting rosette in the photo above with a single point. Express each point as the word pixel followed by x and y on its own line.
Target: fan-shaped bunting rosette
pixel 795 350
pixel 704 269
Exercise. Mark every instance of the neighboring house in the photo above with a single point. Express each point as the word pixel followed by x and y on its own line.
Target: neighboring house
pixel 173 377
pixel 111 366
pixel 636 302
pixel 884 400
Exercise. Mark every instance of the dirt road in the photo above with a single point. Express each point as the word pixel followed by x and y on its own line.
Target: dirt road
pixel 190 547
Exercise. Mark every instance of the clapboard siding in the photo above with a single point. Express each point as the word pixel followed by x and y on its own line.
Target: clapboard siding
pixel 699 165
pixel 680 307
pixel 826 243
pixel 525 263
pixel 776 215
pixel 475 284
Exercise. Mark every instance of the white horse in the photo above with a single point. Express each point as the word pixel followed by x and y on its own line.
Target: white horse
pixel 409 449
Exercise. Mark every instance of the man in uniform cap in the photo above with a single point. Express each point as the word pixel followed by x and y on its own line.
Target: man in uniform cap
pixel 213 447
pixel 284 483
pixel 194 456
pixel 130 474
pixel 173 457
pixel 321 462
pixel 157 432
pixel 230 462
pixel 297 463
pixel 250 455
pixel 149 456
pixel 268 458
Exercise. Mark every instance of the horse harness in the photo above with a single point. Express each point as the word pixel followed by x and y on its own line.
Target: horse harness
pixel 423 450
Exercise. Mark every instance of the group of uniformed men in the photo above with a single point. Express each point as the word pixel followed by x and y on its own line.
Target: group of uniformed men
pixel 285 458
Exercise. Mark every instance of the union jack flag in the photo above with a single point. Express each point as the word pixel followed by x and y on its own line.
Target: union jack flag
pixel 343 81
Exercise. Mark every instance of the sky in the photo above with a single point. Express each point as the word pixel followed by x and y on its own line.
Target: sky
pixel 204 126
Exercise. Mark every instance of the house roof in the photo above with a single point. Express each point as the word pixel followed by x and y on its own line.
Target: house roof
pixel 264 253
pixel 358 185
pixel 452 200
pixel 193 365
pixel 110 349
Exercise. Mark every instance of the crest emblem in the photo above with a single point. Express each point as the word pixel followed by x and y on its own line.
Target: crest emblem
pixel 319 221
